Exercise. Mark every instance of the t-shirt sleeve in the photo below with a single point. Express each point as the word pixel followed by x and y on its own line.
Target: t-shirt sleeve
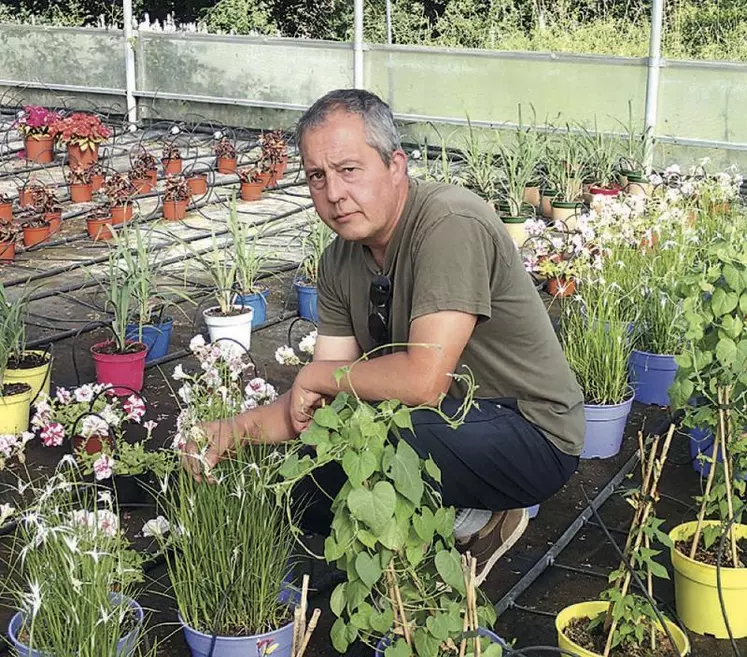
pixel 453 269
pixel 333 308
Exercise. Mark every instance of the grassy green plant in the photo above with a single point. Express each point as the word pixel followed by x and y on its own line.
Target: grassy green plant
pixel 565 162
pixel 318 238
pixel 519 158
pixel 12 329
pixel 479 172
pixel 601 158
pixel 250 259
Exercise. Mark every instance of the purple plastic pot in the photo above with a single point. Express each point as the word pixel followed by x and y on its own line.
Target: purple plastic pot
pixel 385 641
pixel 605 427
pixel 278 642
pixel 701 442
pixel 651 376
pixel 533 511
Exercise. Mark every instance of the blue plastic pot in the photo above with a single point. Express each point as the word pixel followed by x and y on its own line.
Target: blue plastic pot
pixel 385 641
pixel 125 647
pixel 651 376
pixel 605 428
pixel 278 642
pixel 701 442
pixel 533 511
pixel 258 302
pixel 307 307
pixel 155 336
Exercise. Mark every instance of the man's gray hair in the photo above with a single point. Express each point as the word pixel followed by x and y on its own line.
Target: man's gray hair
pixel 378 122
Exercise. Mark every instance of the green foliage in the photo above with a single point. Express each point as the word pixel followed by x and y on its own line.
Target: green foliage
pixel 239 17
pixel 318 238
pixel 12 328
pixel 389 526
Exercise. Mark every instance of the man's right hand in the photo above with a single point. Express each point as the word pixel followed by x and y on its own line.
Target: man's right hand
pixel 197 464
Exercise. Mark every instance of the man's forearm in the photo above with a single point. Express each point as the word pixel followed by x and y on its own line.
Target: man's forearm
pixel 264 424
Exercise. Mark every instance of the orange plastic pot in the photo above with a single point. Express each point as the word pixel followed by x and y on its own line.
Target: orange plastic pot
pixel 54 219
pixel 80 193
pixel 97 182
pixel 172 167
pixel 142 185
pixel 153 177
pixel 280 168
pixel 197 184
pixel 174 210
pixel 6 212
pixel 7 251
pixel 560 287
pixel 100 229
pixel 76 157
pixel 35 235
pixel 40 150
pixel 121 214
pixel 268 178
pixel 24 197
pixel 226 164
pixel 250 191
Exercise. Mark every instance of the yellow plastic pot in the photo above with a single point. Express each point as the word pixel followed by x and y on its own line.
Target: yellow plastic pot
pixel 516 229
pixel 14 412
pixel 592 609
pixel 37 377
pixel 696 595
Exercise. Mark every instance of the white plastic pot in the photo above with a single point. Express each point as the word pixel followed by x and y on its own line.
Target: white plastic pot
pixel 234 327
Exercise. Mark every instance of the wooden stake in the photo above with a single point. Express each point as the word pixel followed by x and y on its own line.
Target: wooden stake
pixel 296 627
pixel 473 598
pixel 466 622
pixel 725 431
pixel 650 587
pixel 398 598
pixel 304 605
pixel 309 631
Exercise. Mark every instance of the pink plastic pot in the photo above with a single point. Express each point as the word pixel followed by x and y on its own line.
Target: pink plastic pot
pixel 120 369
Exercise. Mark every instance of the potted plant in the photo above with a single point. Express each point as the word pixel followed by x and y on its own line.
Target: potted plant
pixel 6 208
pixel 252 184
pixel 99 224
pixel 96 171
pixel 275 151
pixel 175 198
pixel 140 178
pixel 145 163
pixel 622 621
pixel 600 166
pixel 314 242
pixel 251 265
pixel 15 396
pixel 596 342
pixel 197 182
pixel 710 387
pixel 36 230
pixel 82 132
pixel 566 159
pixel 171 159
pixel 119 362
pixel 66 593
pixel 80 185
pixel 225 155
pixel 8 235
pixel 119 192
pixel 46 203
pixel 35 123
pixel 234 604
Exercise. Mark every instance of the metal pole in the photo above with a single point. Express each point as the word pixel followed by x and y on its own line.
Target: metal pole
pixel 129 47
pixel 389 22
pixel 652 80
pixel 358 44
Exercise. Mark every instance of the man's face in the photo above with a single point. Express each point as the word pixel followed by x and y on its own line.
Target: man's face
pixel 354 192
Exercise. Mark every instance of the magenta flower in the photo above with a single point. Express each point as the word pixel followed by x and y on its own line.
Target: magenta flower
pixel 135 408
pixel 53 434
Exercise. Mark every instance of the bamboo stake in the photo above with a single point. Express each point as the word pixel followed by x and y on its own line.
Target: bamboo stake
pixel 473 597
pixel 309 631
pixel 650 587
pixel 465 623
pixel 725 425
pixel 304 605
pixel 296 626
pixel 398 598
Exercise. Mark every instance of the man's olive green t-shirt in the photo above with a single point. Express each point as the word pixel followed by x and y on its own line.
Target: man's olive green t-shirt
pixel 449 251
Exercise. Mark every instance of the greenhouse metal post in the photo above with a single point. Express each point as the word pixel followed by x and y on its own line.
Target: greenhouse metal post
pixel 129 52
pixel 358 44
pixel 652 80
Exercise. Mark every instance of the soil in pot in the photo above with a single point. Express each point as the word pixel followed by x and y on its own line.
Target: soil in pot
pixel 595 641
pixel 11 389
pixel 234 312
pixel 110 348
pixel 28 361
pixel 710 556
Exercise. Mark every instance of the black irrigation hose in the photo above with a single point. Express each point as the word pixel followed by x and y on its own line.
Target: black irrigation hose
pixel 719 559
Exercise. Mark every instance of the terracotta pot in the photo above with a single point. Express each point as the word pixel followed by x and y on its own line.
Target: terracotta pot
pixel 172 167
pixel 7 251
pixel 93 444
pixel 39 150
pixel 121 214
pixel 174 210
pixel 24 198
pixel 612 190
pixel 77 158
pixel 54 219
pixel 100 229
pixel 226 164
pixel 197 184
pixel 142 185
pixel 268 178
pixel 153 177
pixel 6 212
pixel 33 236
pixel 560 287
pixel 80 193
pixel 251 191
pixel 97 182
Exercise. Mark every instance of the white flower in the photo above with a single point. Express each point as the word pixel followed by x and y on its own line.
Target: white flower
pixel 156 527
pixel 257 387
pixel 415 155
pixel 175 130
pixel 108 522
pixel 196 343
pixel 26 436
pixel 179 374
pixel 6 511
pixel 93 425
pixel 103 467
pixel 286 356
pixel 63 396
pixel 308 343
pixel 185 393
pixel 8 443
pixel 217 135
pixel 111 417
pixel 34 598
pixel 149 426
pixel 179 441
pixel 84 393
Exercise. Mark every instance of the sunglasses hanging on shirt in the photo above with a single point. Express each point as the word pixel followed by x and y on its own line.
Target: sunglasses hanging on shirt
pixel 380 298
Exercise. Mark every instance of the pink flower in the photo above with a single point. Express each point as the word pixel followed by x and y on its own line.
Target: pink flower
pixel 135 408
pixel 103 467
pixel 53 434
pixel 64 396
pixel 84 393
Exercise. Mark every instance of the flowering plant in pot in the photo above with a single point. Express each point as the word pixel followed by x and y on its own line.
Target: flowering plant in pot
pixel 145 163
pixel 75 575
pixel 597 345
pixel 120 361
pixel 624 623
pixel 8 236
pixel 715 193
pixel 100 224
pixel 313 244
pixel 119 192
pixel 565 164
pixel 140 177
pixel 79 180
pixel 225 155
pixel 82 132
pixel 252 183
pixel 171 159
pixel 600 163
pixel 97 176
pixel 6 208
pixel 274 151
pixel 34 123
pixel 286 355
pixel 36 229
pixel 710 385
pixel 175 198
